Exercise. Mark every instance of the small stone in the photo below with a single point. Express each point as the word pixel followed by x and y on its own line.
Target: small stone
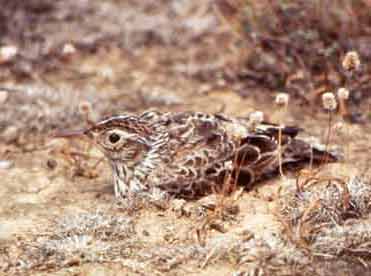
pixel 6 164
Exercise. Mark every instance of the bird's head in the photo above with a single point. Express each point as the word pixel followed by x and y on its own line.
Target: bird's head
pixel 133 147
pixel 122 139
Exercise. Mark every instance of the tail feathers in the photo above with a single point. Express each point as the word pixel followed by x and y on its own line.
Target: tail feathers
pixel 301 150
pixel 298 149
pixel 258 157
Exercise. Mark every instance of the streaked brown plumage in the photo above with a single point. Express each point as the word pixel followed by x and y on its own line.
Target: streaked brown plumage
pixel 190 154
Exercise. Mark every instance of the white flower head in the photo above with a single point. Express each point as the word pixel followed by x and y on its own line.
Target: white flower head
pixel 351 61
pixel 68 49
pixel 343 93
pixel 282 99
pixel 329 101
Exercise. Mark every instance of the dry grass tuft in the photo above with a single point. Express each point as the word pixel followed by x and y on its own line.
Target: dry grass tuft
pixel 350 239
pixel 98 224
pixel 323 207
pixel 73 240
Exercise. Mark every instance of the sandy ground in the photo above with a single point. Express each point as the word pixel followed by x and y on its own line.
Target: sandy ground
pixel 60 217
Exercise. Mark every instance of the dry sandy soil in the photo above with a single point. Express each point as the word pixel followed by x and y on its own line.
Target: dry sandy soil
pixel 58 215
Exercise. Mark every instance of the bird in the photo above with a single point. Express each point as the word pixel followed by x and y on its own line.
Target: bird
pixel 191 154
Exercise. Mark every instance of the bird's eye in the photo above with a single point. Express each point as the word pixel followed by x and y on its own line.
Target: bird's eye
pixel 114 138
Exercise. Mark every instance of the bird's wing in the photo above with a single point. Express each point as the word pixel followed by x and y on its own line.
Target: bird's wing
pixel 206 152
pixel 199 151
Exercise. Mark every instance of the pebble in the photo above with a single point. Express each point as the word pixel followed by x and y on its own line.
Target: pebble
pixel 6 164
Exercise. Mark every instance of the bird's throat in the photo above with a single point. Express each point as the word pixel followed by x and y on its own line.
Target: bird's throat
pixel 126 181
pixel 121 179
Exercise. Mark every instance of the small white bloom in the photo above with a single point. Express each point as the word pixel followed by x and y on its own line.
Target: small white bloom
pixel 282 99
pixel 351 61
pixel 329 101
pixel 68 49
pixel 343 93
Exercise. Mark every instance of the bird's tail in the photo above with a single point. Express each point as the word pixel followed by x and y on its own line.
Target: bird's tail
pixel 258 155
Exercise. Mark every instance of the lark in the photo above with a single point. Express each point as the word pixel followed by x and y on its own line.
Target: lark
pixel 192 154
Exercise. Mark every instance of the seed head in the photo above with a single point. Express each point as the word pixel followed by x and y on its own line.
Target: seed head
pixel 343 93
pixel 329 101
pixel 256 117
pixel 351 61
pixel 282 99
pixel 68 49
